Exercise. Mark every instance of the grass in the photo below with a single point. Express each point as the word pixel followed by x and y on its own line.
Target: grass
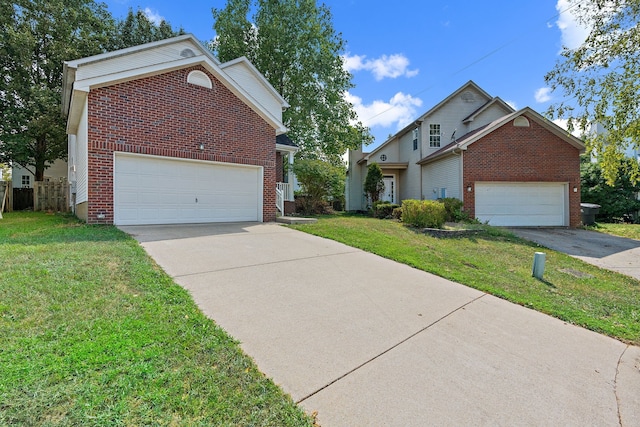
pixel 630 231
pixel 93 333
pixel 497 262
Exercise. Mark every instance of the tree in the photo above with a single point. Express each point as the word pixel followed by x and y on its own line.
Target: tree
pixel 293 44
pixel 601 80
pixel 137 29
pixel 617 201
pixel 37 36
pixel 320 181
pixel 373 183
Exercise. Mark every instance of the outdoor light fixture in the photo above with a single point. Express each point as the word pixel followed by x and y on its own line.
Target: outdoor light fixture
pixel 201 146
pixel 469 188
pixel 575 189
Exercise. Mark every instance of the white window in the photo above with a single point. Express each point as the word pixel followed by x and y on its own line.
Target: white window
pixel 434 135
pixel 26 180
pixel 415 139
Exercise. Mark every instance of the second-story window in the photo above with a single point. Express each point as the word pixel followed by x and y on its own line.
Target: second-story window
pixel 415 139
pixel 434 135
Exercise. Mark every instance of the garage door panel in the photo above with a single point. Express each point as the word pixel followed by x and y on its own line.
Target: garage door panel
pixel 521 204
pixel 155 190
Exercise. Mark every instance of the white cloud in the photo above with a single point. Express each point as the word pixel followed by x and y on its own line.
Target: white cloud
pixel 400 110
pixel 573 32
pixel 512 104
pixel 563 123
pixel 391 66
pixel 543 95
pixel 153 15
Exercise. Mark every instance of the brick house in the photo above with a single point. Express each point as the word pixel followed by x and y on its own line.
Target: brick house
pixel 510 168
pixel 164 133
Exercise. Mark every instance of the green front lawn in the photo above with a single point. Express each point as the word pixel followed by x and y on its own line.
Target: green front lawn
pixel 499 263
pixel 631 231
pixel 93 333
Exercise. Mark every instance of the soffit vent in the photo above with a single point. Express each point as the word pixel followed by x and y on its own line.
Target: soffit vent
pixel 187 53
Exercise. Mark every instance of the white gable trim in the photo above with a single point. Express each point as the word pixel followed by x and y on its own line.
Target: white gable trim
pixel 135 49
pixel 243 61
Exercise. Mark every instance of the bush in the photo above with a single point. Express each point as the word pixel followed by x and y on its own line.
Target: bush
pixel 383 209
pixel 397 213
pixel 453 207
pixel 320 182
pixel 423 213
pixel 373 183
pixel 618 202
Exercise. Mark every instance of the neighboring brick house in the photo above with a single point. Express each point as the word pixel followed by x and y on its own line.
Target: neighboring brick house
pixel 510 168
pixel 164 133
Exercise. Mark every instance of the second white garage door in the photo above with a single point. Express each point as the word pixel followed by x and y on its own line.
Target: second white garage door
pixel 533 204
pixel 158 190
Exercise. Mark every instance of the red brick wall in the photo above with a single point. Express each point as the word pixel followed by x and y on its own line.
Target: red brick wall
pixel 164 115
pixel 522 154
pixel 279 167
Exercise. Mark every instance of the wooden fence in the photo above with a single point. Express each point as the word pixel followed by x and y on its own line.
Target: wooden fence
pixel 6 197
pixel 50 196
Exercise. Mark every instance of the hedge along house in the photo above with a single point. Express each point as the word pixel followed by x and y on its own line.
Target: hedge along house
pixel 510 168
pixel 164 133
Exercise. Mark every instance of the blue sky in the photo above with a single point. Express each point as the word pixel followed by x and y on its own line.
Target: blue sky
pixel 408 55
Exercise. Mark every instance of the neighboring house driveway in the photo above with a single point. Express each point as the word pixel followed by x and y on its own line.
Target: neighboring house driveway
pixel 604 250
pixel 367 341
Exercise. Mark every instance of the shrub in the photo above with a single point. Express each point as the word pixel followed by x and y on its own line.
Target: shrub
pixel 373 183
pixel 452 207
pixel 383 209
pixel 423 213
pixel 616 202
pixel 397 213
pixel 320 182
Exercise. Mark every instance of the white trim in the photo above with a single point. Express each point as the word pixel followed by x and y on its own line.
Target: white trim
pixel 199 78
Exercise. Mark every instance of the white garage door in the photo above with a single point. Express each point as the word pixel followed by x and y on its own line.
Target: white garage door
pixel 522 204
pixel 157 190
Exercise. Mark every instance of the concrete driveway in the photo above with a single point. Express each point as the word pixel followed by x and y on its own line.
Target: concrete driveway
pixel 369 342
pixel 604 250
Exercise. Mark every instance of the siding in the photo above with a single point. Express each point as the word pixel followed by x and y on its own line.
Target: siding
pixel 246 79
pixel 158 55
pixel 408 181
pixel 450 117
pixel 81 159
pixel 442 174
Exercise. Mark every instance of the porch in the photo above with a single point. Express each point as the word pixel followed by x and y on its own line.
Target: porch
pixel 285 151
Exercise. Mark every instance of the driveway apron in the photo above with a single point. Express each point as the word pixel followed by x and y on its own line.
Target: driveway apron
pixel 366 341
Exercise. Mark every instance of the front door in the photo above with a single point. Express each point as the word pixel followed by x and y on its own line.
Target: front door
pixel 389 193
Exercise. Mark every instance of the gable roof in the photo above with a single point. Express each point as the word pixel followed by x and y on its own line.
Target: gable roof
pixel 468 85
pixel 464 141
pixel 82 75
pixel 471 117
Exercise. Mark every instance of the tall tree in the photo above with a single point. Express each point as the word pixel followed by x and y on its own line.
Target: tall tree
pixel 37 36
pixel 294 45
pixel 601 81
pixel 137 29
